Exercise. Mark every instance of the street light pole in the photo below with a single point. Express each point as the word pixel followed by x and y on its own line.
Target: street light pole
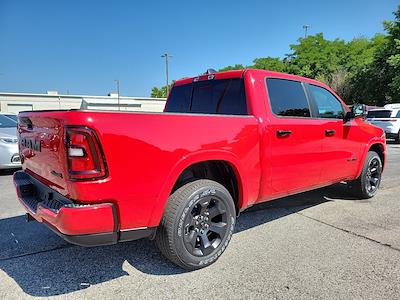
pixel 305 27
pixel 117 82
pixel 166 56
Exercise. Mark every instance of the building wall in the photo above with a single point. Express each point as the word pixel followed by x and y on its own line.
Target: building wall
pixel 16 102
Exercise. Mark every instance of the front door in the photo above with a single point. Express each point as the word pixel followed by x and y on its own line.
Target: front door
pixel 340 148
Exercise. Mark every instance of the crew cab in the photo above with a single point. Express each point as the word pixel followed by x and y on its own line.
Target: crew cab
pixel 225 142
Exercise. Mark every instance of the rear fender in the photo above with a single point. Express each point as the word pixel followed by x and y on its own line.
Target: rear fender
pixel 189 160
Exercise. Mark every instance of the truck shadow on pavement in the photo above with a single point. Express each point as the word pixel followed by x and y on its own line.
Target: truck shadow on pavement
pixel 42 264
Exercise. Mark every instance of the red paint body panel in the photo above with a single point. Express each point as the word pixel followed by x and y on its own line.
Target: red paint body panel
pixel 146 152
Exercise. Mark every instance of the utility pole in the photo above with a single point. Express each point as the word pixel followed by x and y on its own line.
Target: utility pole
pixel 117 82
pixel 166 56
pixel 305 27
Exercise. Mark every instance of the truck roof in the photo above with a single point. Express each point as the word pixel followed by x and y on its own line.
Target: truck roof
pixel 240 73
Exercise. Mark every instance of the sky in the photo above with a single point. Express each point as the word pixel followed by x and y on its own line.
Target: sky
pixel 82 47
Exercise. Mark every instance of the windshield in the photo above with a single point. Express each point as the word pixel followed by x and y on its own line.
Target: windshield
pixel 12 117
pixel 379 114
pixel 7 122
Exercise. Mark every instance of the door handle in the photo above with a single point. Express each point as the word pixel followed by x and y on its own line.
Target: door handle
pixel 330 132
pixel 283 132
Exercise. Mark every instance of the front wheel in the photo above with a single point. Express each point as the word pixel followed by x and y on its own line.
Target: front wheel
pixel 366 186
pixel 197 224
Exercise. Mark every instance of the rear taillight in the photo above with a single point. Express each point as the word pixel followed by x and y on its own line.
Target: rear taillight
pixel 85 157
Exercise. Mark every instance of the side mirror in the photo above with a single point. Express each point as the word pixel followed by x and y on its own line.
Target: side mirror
pixel 357 111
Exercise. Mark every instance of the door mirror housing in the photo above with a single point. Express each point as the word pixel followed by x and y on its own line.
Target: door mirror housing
pixel 357 111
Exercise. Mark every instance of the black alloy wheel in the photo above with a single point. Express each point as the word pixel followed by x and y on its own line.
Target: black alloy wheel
pixel 373 175
pixel 205 226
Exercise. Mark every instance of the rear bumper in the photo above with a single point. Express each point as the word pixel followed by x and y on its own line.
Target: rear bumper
pixel 84 225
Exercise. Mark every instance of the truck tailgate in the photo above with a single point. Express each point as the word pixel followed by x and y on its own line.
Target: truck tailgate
pixel 42 148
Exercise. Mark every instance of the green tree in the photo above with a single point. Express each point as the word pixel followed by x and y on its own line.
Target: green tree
pixel 315 56
pixel 235 67
pixel 364 78
pixel 392 54
pixel 344 66
pixel 160 92
pixel 270 63
pixel 379 82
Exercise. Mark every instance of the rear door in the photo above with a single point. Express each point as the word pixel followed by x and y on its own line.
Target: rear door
pixel 295 139
pixel 340 147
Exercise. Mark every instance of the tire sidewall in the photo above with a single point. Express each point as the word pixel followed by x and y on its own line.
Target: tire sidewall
pixel 178 231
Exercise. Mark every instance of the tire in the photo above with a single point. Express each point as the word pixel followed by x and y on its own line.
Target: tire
pixel 197 225
pixel 397 139
pixel 367 184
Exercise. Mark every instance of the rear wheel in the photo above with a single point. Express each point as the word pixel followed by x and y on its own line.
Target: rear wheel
pixel 197 224
pixel 397 138
pixel 366 186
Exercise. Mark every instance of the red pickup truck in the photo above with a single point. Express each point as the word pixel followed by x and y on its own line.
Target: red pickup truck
pixel 225 142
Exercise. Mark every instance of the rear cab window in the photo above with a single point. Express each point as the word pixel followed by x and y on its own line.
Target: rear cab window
pixel 179 99
pixel 221 96
pixel 287 98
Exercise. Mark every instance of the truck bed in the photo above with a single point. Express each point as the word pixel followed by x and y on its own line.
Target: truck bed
pixel 142 151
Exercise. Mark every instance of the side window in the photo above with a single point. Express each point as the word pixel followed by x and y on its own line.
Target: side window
pixel 327 104
pixel 287 98
pixel 398 114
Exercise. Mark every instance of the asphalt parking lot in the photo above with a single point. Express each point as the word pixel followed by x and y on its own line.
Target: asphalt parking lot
pixel 320 244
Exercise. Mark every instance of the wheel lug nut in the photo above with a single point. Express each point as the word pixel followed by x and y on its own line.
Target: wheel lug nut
pixel 205 219
pixel 196 229
pixel 207 213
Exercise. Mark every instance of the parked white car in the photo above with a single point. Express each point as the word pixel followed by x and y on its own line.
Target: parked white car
pixel 9 154
pixel 387 118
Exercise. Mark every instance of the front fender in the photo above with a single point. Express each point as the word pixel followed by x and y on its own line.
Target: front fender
pixel 374 141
